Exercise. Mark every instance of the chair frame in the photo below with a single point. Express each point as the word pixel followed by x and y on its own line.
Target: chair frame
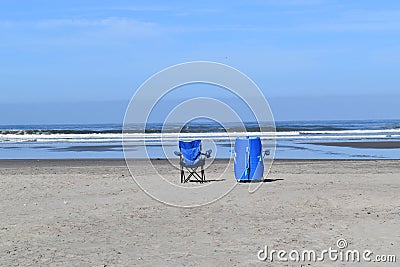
pixel 193 172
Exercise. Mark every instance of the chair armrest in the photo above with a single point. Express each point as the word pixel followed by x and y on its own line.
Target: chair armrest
pixel 177 153
pixel 208 153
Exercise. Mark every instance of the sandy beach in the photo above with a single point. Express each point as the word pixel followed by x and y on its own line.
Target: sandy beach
pixel 91 213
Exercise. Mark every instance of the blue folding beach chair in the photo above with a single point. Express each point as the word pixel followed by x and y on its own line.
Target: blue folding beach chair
pixel 192 158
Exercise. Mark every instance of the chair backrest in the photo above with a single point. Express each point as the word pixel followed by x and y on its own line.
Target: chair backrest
pixel 249 163
pixel 191 151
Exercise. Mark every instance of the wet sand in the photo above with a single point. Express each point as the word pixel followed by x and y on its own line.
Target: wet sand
pixel 369 144
pixel 91 213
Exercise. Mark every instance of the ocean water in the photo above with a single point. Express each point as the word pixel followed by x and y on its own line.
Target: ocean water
pixel 294 140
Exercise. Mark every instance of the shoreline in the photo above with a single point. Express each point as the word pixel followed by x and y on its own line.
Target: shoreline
pixel 122 162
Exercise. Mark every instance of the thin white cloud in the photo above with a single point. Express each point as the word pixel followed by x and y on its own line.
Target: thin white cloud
pixel 132 8
pixel 77 32
pixel 293 2
pixel 126 27
pixel 373 15
pixel 348 21
pixel 361 20
pixel 112 22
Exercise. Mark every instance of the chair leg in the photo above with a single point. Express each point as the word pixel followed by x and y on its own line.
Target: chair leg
pixel 182 176
pixel 193 173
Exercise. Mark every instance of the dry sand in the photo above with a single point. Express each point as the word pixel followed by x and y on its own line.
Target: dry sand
pixel 91 213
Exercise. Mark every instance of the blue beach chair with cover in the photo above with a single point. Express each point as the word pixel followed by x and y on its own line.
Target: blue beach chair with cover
pixel 249 159
pixel 192 158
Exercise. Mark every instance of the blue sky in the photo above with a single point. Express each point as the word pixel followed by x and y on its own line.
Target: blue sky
pixel 301 53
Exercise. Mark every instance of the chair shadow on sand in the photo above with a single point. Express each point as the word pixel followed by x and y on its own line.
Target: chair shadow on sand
pixel 272 180
pixel 261 181
pixel 242 182
pixel 208 181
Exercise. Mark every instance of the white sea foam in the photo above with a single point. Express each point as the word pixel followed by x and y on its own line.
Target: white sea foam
pixel 221 136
